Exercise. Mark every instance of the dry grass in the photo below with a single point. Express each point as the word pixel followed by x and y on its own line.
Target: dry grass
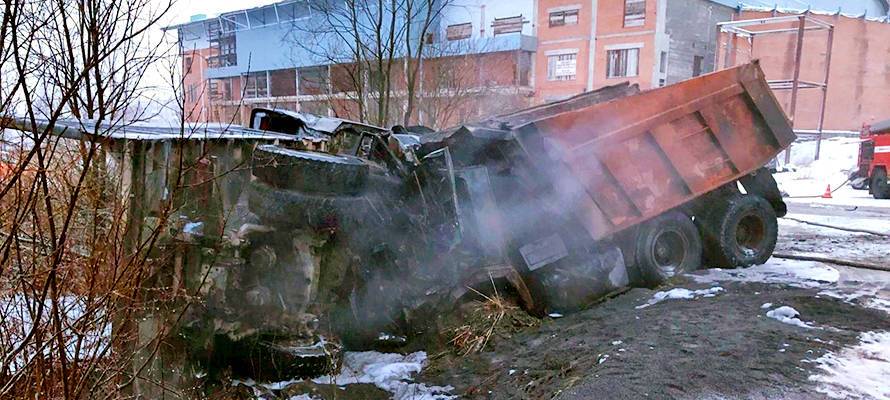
pixel 491 317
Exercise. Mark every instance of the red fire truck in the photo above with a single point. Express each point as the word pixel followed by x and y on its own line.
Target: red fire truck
pixel 874 160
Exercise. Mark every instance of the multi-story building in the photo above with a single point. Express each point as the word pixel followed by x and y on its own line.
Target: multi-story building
pixel 484 56
pixel 478 59
pixel 584 45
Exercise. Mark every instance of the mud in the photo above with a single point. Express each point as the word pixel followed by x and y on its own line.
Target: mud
pixel 685 349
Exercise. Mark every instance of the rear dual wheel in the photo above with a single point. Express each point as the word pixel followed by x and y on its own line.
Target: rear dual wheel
pixel 740 231
pixel 666 246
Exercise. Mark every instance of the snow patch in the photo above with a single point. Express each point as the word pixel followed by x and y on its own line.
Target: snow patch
pixel 858 372
pixel 681 294
pixel 388 371
pixel 302 397
pixel 802 274
pixel 766 305
pixel 788 315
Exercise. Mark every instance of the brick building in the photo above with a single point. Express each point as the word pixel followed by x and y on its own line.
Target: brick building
pixel 506 55
pixel 859 78
pixel 590 44
pixel 479 61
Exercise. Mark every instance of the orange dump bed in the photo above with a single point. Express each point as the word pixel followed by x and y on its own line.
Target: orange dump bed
pixel 635 157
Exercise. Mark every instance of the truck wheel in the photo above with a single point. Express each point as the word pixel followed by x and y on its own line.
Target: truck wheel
pixel 879 187
pixel 293 209
pixel 667 246
pixel 309 172
pixel 740 232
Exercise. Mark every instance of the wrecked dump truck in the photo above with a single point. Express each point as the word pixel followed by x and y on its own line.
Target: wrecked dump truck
pixel 573 199
pixel 618 187
pixel 301 233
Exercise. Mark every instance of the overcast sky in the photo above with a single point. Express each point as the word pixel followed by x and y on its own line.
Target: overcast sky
pixel 184 9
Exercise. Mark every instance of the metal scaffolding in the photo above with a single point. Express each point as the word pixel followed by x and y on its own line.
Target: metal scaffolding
pixel 799 25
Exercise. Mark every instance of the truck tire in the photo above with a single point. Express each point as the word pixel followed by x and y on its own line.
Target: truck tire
pixel 294 209
pixel 666 246
pixel 740 231
pixel 879 187
pixel 309 172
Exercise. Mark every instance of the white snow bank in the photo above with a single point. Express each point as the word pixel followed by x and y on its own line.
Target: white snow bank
pixel 788 315
pixel 802 274
pixel 859 372
pixel 390 372
pixel 837 158
pixel 681 294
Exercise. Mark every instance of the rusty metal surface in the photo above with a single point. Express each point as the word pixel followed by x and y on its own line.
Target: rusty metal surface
pixel 639 156
pixel 573 103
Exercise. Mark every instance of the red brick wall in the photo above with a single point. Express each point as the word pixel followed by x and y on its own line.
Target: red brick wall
pixel 859 83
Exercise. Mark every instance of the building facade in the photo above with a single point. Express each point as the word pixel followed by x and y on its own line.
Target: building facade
pixel 859 76
pixel 478 58
pixel 584 45
pixel 487 57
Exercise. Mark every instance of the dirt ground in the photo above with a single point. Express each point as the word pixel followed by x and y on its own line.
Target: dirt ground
pixel 708 348
pixel 720 347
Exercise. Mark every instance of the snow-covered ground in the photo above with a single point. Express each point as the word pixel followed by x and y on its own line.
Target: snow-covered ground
pixel 681 294
pixel 86 332
pixel 858 372
pixel 861 371
pixel 388 371
pixel 808 177
pixel 802 274
pixel 391 372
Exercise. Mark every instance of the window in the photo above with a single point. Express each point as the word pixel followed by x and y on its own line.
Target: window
pixel 459 31
pixel 696 65
pixel 507 25
pixel 283 82
pixel 562 67
pixel 313 80
pixel 564 17
pixel 256 84
pixel 634 13
pixel 663 63
pixel 220 89
pixel 525 68
pixel 191 95
pixel 623 63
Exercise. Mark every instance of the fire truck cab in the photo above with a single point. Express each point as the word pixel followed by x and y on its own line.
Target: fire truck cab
pixel 874 160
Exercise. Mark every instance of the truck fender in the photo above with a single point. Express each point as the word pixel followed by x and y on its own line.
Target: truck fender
pixel 762 183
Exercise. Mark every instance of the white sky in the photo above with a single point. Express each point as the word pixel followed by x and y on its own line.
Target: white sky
pixel 184 9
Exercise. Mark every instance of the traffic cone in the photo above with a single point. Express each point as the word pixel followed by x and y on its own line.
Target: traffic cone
pixel 827 194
